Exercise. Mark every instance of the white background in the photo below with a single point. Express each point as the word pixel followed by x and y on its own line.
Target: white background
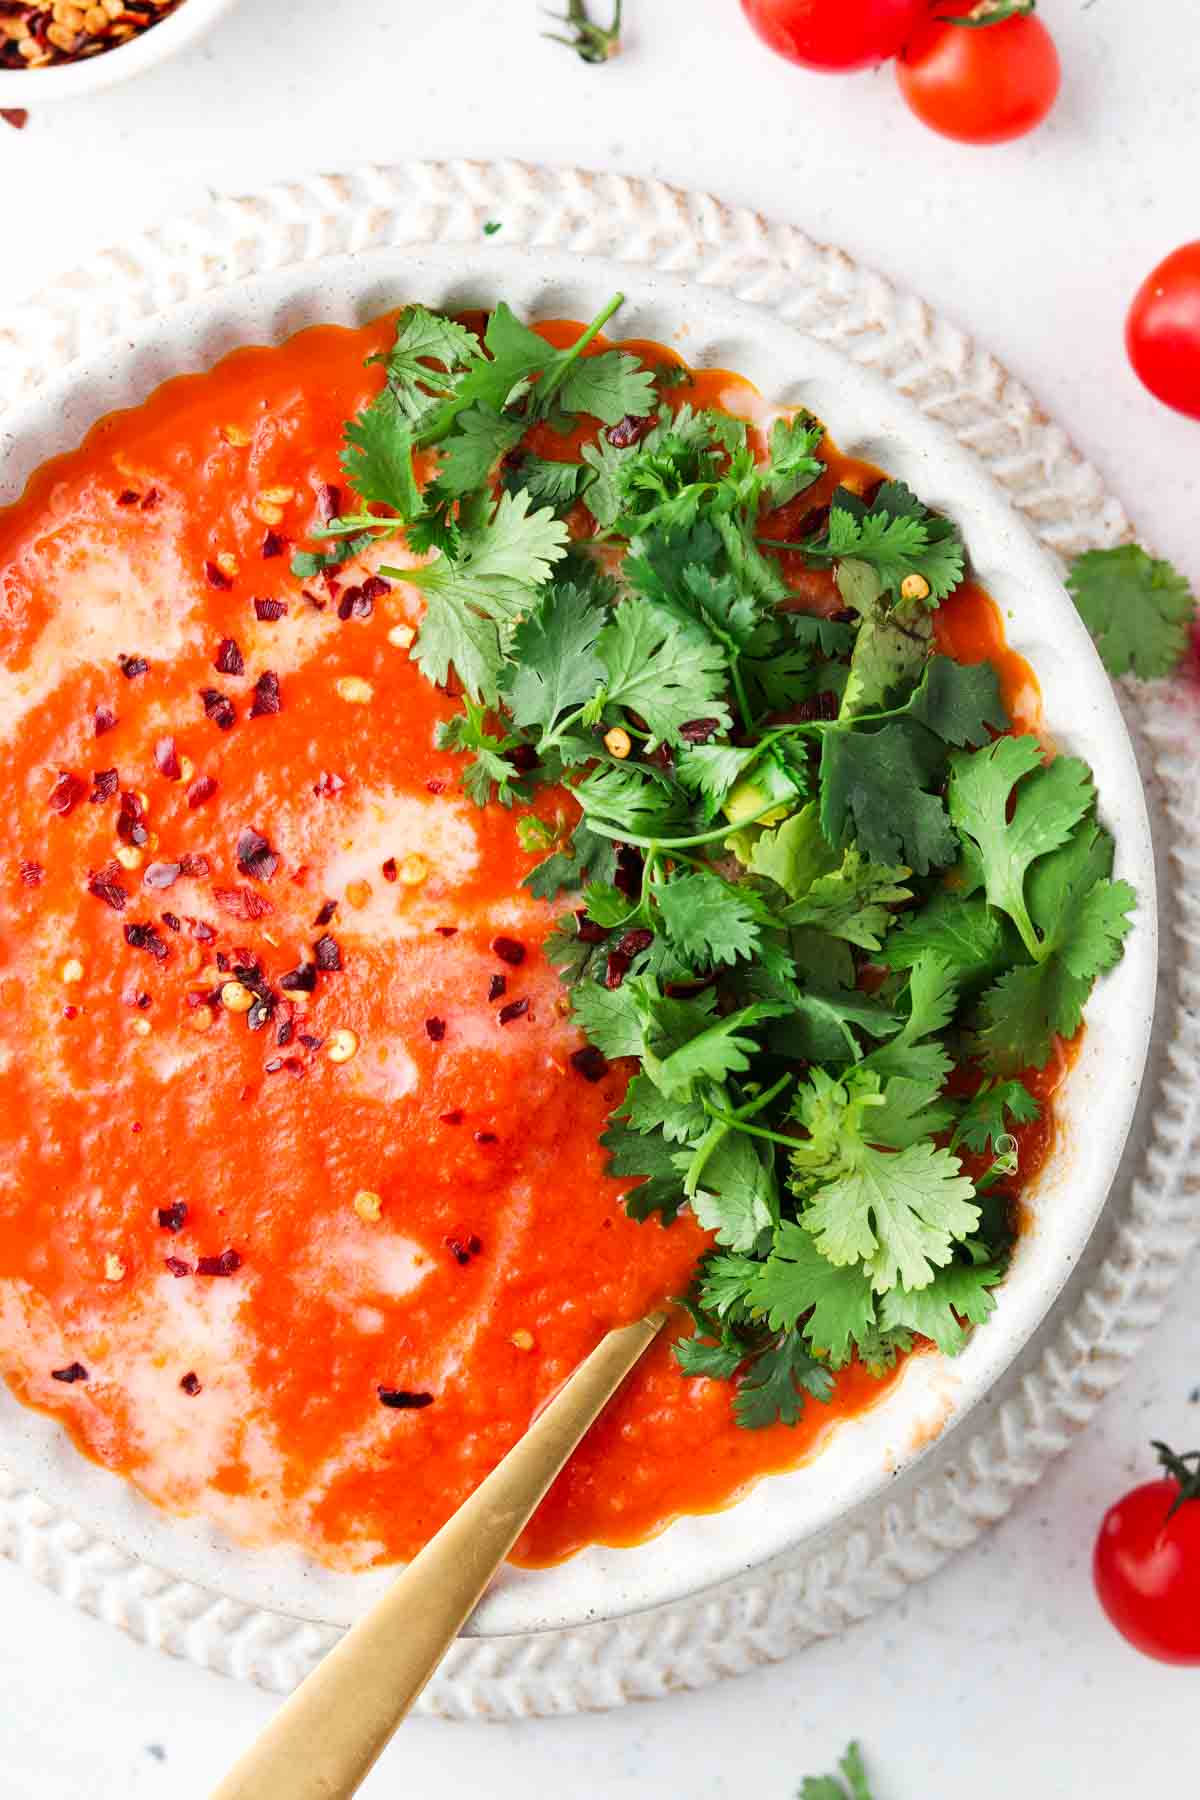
pixel 999 1676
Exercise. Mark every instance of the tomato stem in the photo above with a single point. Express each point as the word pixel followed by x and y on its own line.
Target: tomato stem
pixel 1180 1469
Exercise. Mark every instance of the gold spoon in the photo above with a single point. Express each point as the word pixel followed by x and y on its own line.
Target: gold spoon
pixel 326 1738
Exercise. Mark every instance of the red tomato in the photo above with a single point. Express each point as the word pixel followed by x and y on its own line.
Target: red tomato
pixel 833 34
pixel 981 84
pixel 1147 1562
pixel 1162 332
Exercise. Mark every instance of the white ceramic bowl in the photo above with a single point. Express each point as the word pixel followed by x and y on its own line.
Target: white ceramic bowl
pixel 69 81
pixel 870 419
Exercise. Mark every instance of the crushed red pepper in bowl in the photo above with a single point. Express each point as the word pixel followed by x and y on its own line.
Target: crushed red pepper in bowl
pixel 38 36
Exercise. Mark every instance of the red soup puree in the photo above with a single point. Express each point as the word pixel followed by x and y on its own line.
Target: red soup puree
pixel 302 1208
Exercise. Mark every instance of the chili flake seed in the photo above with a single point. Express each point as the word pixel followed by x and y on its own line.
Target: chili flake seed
pixel 73 1372
pixel 72 970
pixel 521 1339
pixel 140 1027
pixel 266 511
pixel 618 742
pixel 129 856
pixel 166 759
pixel 368 1206
pixel 162 874
pixel 236 437
pixel 402 637
pixel 177 1266
pixel 403 1398
pixel 190 1383
pixel 354 690
pixel 343 1044
pixel 114 1268
pixel 358 893
pixel 228 1263
pixel 202 1019
pixel 509 950
pixel 187 769
pixel 235 998
pixel 914 587
pixel 227 562
pixel 413 870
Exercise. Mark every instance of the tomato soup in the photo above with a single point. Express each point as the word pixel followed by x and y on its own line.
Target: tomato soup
pixel 302 1208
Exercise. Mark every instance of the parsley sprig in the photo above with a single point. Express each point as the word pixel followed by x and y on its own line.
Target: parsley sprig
pixel 816 892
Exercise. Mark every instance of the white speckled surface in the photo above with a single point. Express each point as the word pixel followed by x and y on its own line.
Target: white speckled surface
pixel 1032 248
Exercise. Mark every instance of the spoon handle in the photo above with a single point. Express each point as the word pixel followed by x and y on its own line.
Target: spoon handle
pixel 325 1739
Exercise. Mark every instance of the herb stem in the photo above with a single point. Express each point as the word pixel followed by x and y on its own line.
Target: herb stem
pixel 555 381
pixel 760 1131
pixel 620 836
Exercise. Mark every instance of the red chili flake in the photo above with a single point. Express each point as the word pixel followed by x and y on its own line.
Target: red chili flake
pixel 634 942
pixel 177 1266
pixel 327 953
pixel 698 731
pixel 497 986
pixel 266 695
pixel 314 600
pixel 273 545
pixel 150 499
pixel 516 1009
pixel 166 759
pixel 172 921
pixel 375 587
pixel 173 1217
pixel 616 968
pixel 486 1137
pixel 452 1118
pixel 190 1383
pixel 128 497
pixel 67 790
pixel 228 1263
pixel 255 856
pixel 131 820
pixel 627 431
pixel 388 869
pixel 327 784
pixel 141 936
pixel 354 604
pixel 70 1012
pixel 107 886
pixel 216 577
pixel 262 1012
pixel 589 1062
pixel 229 659
pixel 403 1399
pixel 284 1033
pixel 509 951
pixel 194 865
pixel 435 787
pixel 627 878
pixel 270 610
pixel 523 757
pixel 133 666
pixel 446 930
pixel 202 789
pixel 219 708
pixel 301 980
pixel 462 1249
pixel 73 1372
pixel 435 1029
pixel 105 783
pixel 587 929
pixel 241 903
pixel 31 873
pixel 328 908
pixel 309 1041
pixel 18 118
pixel 329 500
pixel 103 719
pixel 161 874
pixel 222 962
pixel 143 1002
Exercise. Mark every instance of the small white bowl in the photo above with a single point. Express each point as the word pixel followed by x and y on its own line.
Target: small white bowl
pixel 68 81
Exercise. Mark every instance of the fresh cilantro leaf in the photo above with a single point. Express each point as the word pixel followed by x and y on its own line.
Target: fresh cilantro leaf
pixel 718 1360
pixel 609 1018
pixel 307 563
pixel 423 340
pixel 796 854
pixel 628 797
pixel 480 438
pixel 468 730
pixel 899 1212
pixel 894 543
pixel 828 1787
pixel 873 787
pixel 776 1383
pixel 651 1162
pixel 377 458
pixel 797 1283
pixel 961 1290
pixel 1050 802
pixel 548 483
pixel 711 770
pixel 967 933
pixel 818 1025
pixel 852 902
pixel 718 1050
pixel 985 1116
pixel 590 857
pixel 654 671
pixel 493 577
pixel 739 1200
pixel 708 919
pixel 553 664
pixel 792 465
pixel 609 387
pixel 888 656
pixel 694 593
pixel 959 702
pixel 727 1282
pixel 647 1109
pixel 1081 919
pixel 1138 609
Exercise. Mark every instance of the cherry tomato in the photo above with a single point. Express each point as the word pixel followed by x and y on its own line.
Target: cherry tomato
pixel 981 84
pixel 1162 333
pixel 835 35
pixel 1147 1562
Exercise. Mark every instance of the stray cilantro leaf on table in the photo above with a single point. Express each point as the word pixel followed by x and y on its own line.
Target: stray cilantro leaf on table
pixel 1139 611
pixel 852 1786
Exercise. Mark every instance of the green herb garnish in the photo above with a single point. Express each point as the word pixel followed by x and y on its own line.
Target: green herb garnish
pixel 807 882
pixel 1139 611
